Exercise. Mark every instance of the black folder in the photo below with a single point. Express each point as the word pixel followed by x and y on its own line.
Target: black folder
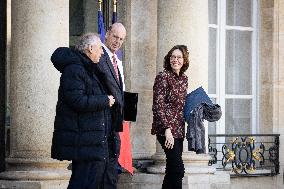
pixel 130 106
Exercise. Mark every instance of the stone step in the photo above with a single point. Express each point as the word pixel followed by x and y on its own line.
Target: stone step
pixel 154 181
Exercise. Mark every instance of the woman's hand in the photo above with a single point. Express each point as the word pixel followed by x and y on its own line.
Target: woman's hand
pixel 169 143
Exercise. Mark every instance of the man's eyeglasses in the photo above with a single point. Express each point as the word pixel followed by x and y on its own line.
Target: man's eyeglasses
pixel 179 58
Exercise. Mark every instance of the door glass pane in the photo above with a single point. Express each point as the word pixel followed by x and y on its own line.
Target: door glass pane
pixel 239 13
pixel 238 116
pixel 212 61
pixel 212 6
pixel 238 63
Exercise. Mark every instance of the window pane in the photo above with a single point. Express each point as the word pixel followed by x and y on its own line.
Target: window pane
pixel 238 116
pixel 213 6
pixel 239 12
pixel 212 61
pixel 238 62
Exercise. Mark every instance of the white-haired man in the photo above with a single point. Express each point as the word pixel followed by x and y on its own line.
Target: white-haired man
pixel 82 124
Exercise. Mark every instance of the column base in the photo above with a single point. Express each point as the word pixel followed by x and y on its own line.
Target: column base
pixel 193 163
pixel 35 174
pixel 160 169
pixel 34 179
pixel 219 180
pixel 51 184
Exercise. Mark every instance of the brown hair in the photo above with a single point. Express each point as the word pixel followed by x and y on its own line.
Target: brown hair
pixel 185 55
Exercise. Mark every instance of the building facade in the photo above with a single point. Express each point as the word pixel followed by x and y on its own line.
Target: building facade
pixel 236 52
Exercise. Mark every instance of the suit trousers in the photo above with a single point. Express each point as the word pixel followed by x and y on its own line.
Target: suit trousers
pixel 174 164
pixel 94 174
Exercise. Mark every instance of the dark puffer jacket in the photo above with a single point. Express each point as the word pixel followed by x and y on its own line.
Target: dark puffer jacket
pixel 83 116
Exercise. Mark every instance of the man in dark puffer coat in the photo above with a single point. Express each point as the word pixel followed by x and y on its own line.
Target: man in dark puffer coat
pixel 82 127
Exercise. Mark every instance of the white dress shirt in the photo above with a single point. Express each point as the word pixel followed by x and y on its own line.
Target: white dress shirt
pixel 119 63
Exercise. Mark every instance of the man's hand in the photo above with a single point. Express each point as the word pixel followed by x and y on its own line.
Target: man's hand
pixel 111 100
pixel 169 143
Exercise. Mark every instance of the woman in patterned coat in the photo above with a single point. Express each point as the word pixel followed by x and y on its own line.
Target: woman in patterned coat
pixel 169 92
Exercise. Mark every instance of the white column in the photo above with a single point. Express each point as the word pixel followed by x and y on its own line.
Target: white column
pixel 278 82
pixel 183 22
pixel 140 70
pixel 179 22
pixel 38 28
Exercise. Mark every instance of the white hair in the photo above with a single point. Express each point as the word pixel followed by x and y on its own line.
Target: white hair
pixel 86 40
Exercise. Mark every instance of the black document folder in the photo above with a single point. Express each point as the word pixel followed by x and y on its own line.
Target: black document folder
pixel 130 106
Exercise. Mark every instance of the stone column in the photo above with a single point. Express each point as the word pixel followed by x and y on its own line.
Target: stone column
pixel 38 27
pixel 140 69
pixel 186 22
pixel 90 15
pixel 278 81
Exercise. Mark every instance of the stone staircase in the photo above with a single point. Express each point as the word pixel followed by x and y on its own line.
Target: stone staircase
pixel 198 175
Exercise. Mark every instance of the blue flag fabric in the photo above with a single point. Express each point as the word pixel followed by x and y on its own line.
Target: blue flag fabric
pixel 101 26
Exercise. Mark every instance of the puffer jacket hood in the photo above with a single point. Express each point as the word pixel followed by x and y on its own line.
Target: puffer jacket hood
pixel 64 56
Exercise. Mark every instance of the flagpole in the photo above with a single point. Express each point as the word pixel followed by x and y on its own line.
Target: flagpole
pixel 114 5
pixel 100 5
pixel 114 13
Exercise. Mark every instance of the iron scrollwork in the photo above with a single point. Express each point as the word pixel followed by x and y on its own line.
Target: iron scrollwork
pixel 243 155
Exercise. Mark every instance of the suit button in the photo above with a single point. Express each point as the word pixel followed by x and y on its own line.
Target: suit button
pixel 103 124
pixel 103 141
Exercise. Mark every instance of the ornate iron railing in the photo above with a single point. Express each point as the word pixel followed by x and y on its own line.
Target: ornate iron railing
pixel 245 155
